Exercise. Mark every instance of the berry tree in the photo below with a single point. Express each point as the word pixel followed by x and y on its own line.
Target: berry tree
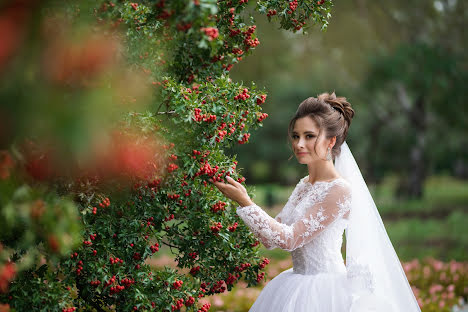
pixel 151 187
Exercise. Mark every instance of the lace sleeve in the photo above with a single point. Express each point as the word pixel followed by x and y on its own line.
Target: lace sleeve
pixel 318 217
pixel 264 241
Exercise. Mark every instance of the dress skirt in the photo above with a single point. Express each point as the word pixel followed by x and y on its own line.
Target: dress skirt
pixel 322 292
pixel 292 292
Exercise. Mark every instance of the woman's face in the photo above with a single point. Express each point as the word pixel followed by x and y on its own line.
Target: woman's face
pixel 304 136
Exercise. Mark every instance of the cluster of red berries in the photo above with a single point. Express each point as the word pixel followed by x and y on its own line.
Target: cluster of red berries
pixel 134 5
pixel 195 270
pixel 221 135
pixel 154 184
pixel 264 263
pixel 127 282
pixel 233 227
pixel 218 287
pixel 206 307
pixel 154 248
pixel 137 256
pixel 178 306
pixel 195 154
pixel 262 117
pixel 95 283
pixel 171 167
pixel 234 32
pixel 248 41
pixel 242 267
pixel 149 222
pixel 177 284
pixel 79 267
pixel 255 244
pixel 211 32
pixel 260 276
pixel 271 12
pixel 232 278
pixel 116 289
pixel 169 146
pixel 261 99
pixel 219 206
pixel 293 5
pixel 103 204
pixel 298 24
pixel 72 309
pixel 216 228
pixel 190 301
pixel 193 255
pixel 243 96
pixel 115 260
pixel 320 2
pixel 237 51
pixel 92 236
pixel 204 117
pixel 169 218
pixel 206 169
pixel 244 139
pixel 87 243
pixel 173 196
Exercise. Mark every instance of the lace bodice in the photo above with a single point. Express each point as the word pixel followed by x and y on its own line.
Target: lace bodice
pixel 310 225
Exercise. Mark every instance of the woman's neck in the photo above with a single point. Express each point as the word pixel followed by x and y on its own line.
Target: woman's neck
pixel 322 171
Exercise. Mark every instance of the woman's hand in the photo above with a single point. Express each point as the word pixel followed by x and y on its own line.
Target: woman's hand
pixel 235 191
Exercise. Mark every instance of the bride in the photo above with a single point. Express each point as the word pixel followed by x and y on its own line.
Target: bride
pixel 332 198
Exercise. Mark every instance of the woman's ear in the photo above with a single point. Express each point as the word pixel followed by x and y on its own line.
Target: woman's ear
pixel 332 141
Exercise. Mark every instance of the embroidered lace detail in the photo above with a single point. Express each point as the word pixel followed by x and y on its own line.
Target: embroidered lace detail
pixel 310 225
pixel 359 275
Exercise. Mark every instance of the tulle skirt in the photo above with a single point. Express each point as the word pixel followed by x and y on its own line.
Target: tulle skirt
pixel 323 292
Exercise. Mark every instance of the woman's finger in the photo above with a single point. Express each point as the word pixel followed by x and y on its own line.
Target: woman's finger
pixel 232 181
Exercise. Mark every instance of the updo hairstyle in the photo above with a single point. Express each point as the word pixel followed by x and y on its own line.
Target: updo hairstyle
pixel 331 113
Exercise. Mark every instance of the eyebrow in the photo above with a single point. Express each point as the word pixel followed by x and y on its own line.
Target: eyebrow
pixel 305 132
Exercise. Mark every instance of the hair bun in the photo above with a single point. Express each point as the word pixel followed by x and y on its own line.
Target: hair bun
pixel 340 104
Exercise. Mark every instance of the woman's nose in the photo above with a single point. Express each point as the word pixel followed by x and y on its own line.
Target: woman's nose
pixel 300 143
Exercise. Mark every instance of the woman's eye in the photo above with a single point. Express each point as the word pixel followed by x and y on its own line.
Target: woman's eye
pixel 310 136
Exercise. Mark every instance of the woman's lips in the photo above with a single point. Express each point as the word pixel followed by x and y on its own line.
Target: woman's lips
pixel 302 153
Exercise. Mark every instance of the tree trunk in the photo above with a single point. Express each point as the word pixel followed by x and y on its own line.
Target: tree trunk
pixel 412 184
pixel 417 169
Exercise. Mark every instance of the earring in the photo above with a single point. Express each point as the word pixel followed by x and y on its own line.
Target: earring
pixel 329 156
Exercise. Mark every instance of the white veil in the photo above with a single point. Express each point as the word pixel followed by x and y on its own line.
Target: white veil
pixel 374 270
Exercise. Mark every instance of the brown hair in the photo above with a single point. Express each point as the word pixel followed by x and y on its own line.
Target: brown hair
pixel 331 113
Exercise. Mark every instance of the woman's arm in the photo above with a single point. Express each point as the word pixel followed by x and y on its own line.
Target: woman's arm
pixel 316 219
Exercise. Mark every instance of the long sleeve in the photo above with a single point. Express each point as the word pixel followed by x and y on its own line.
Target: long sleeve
pixel 264 241
pixel 316 218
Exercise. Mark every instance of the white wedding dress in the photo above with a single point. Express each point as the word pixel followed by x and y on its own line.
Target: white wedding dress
pixel 311 227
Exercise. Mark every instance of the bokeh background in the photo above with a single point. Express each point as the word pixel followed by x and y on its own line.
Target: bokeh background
pixel 402 66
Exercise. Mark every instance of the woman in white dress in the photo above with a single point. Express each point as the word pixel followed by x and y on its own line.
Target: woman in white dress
pixel 332 198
